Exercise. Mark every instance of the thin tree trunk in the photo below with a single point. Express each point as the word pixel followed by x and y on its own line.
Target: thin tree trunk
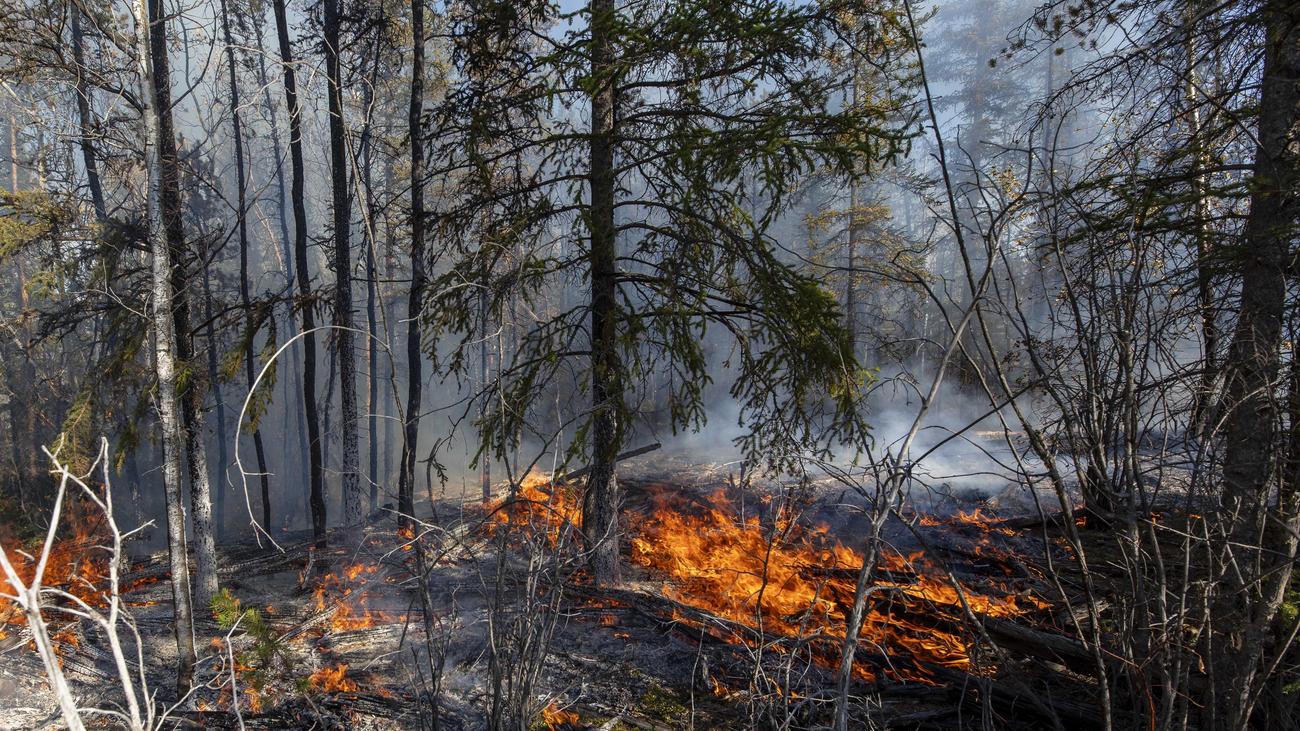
pixel 223 457
pixel 414 371
pixel 302 275
pixel 295 385
pixel 485 467
pixel 601 501
pixel 1204 398
pixel 241 213
pixel 372 286
pixel 19 436
pixel 165 354
pixel 83 118
pixel 205 583
pixel 345 350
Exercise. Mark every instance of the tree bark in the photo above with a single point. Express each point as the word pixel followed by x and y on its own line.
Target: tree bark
pixel 414 303
pixel 485 468
pixel 302 275
pixel 345 350
pixel 1255 586
pixel 214 377
pixel 601 500
pixel 372 275
pixel 300 449
pixel 191 397
pixel 165 353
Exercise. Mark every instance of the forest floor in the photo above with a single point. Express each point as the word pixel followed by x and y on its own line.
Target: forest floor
pixel 338 637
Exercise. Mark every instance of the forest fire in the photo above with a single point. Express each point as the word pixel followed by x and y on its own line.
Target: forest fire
pixel 347 593
pixel 78 563
pixel 787 579
pixel 537 506
pixel 798 581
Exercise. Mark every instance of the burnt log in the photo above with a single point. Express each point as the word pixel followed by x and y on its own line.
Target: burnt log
pixel 1037 643
pixel 581 471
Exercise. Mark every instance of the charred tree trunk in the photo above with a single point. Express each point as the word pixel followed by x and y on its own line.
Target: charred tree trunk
pixel 241 213
pixel 1256 584
pixel 414 371
pixel 601 501
pixel 191 397
pixel 345 351
pixel 485 469
pixel 165 352
pixel 302 275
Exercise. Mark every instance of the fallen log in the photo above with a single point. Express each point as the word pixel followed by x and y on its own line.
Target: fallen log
pixel 1040 644
pixel 575 474
pixel 1014 699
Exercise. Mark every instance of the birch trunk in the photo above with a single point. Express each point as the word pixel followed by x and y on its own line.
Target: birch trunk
pixel 191 397
pixel 165 354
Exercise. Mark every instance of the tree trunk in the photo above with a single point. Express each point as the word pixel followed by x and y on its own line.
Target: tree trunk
pixel 22 416
pixel 191 397
pixel 344 351
pixel 214 376
pixel 1204 398
pixel 295 385
pixel 414 370
pixel 372 276
pixel 165 354
pixel 302 275
pixel 241 213
pixel 601 501
pixel 1257 582
pixel 485 468
pixel 83 119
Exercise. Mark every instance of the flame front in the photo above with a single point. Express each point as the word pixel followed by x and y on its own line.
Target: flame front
pixel 782 578
pixel 348 594
pixel 795 581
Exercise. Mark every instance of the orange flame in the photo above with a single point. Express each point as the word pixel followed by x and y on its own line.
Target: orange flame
pixel 333 679
pixel 554 716
pixel 77 564
pixel 785 578
pixel 349 598
pixel 798 581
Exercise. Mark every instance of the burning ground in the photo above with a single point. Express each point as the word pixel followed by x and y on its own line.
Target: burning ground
pixel 731 614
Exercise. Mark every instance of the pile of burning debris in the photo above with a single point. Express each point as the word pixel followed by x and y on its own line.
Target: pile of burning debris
pixel 735 605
